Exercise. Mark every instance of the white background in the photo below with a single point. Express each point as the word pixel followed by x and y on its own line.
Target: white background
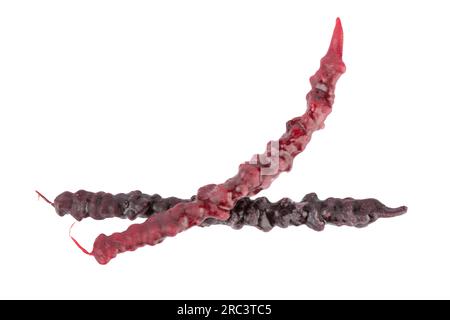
pixel 168 96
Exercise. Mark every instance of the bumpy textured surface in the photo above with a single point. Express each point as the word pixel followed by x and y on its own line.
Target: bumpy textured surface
pixel 259 213
pixel 101 205
pixel 216 201
pixel 311 211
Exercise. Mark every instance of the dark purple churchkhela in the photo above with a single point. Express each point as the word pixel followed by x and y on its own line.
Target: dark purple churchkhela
pixel 101 205
pixel 259 213
pixel 311 211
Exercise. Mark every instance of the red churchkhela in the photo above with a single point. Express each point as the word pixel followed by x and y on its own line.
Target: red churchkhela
pixel 216 201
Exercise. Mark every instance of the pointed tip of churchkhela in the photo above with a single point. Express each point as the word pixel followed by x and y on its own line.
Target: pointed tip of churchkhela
pixel 337 40
pixel 333 58
pixel 393 212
